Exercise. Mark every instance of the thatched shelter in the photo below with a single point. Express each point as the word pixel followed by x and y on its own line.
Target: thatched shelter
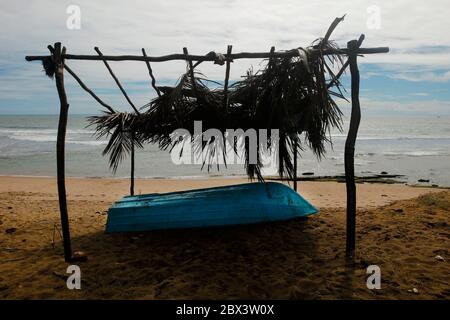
pixel 294 93
pixel 290 94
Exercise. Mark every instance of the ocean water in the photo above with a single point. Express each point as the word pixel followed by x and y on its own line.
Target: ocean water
pixel 417 147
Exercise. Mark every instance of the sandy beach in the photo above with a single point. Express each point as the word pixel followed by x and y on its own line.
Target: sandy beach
pixel 404 230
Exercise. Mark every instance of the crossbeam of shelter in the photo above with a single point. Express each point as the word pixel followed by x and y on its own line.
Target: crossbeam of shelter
pixel 55 64
pixel 210 56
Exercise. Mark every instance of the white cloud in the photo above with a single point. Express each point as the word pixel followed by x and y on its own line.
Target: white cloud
pixel 426 76
pixel 428 107
pixel 163 27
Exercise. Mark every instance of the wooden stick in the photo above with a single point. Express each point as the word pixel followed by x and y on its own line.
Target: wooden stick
pixel 191 70
pixel 344 66
pixel 132 165
pixel 339 74
pixel 331 29
pixel 295 167
pixel 349 157
pixel 82 85
pixel 227 77
pixel 197 63
pixel 150 72
pixel 117 81
pixel 271 53
pixel 60 149
pixel 235 56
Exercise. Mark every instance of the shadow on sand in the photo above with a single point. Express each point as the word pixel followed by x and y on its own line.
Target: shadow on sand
pixel 269 260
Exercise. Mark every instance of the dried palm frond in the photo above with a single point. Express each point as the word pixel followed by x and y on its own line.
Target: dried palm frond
pixel 123 136
pixel 49 67
pixel 291 94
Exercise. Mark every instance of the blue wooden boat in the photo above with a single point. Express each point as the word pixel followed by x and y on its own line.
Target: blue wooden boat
pixel 220 206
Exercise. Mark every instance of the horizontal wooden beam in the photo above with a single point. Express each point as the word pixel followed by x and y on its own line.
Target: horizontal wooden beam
pixel 209 57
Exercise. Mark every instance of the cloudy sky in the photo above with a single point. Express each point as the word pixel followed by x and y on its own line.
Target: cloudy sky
pixel 412 79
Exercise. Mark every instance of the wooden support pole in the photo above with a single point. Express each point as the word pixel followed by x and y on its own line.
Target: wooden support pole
pixel 350 149
pixel 132 165
pixel 60 149
pixel 295 166
pixel 227 78
pixel 117 81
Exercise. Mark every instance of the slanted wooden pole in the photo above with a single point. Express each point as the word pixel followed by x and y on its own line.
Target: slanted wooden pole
pixel 60 148
pixel 350 149
pixel 85 88
pixel 81 83
pixel 150 72
pixel 338 75
pixel 100 54
pixel 132 165
pixel 191 71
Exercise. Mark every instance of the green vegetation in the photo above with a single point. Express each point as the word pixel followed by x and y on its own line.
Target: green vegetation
pixel 439 200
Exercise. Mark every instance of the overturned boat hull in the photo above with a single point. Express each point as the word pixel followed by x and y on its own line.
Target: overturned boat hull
pixel 220 206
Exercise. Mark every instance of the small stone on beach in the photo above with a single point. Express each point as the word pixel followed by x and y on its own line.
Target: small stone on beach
pixel 79 256
pixel 413 290
pixel 400 210
pixel 11 230
pixel 439 258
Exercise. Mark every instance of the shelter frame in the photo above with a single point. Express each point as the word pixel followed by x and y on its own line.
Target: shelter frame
pixel 58 56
